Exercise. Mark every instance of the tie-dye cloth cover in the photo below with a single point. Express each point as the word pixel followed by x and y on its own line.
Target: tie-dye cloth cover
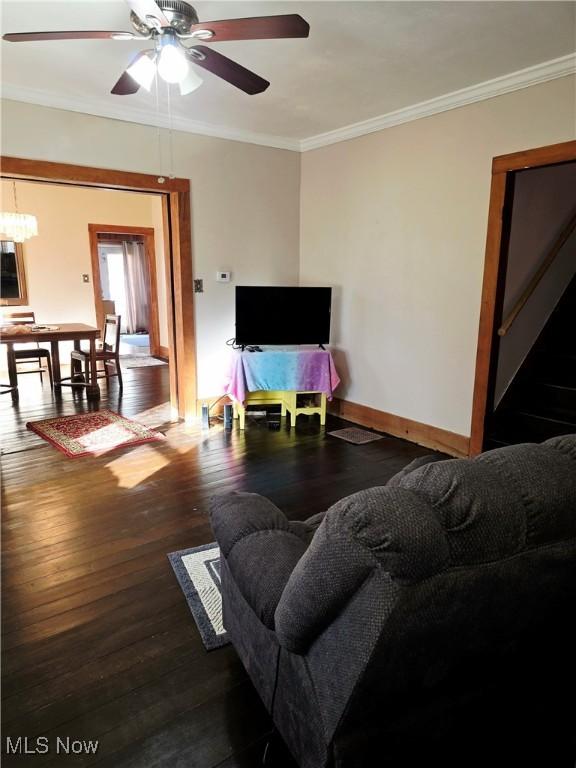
pixel 299 370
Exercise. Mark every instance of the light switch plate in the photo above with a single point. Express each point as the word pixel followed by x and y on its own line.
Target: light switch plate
pixel 223 277
pixel 85 278
pixel 199 285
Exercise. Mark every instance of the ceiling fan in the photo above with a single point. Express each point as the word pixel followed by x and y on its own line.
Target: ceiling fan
pixel 168 23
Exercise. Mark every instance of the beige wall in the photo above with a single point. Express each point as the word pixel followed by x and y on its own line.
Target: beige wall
pixel 245 204
pixel 396 222
pixel 57 258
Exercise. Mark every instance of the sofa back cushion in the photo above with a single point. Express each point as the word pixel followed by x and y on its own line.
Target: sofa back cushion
pixel 442 516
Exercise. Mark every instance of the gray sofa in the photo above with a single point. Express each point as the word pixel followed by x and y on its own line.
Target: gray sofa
pixel 430 618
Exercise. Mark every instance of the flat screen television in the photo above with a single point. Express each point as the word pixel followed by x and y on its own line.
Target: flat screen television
pixel 271 315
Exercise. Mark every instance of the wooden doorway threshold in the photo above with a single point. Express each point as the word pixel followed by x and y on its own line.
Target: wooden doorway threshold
pixel 178 256
pixel 501 192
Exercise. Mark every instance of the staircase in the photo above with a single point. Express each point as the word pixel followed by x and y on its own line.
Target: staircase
pixel 541 401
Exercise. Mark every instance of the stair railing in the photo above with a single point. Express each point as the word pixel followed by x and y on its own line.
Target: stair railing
pixel 538 275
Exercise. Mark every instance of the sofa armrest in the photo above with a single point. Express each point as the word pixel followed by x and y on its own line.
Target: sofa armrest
pixel 370 530
pixel 260 549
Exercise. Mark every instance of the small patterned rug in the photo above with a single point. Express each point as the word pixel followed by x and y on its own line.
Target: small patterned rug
pixel 355 435
pixel 140 361
pixel 198 573
pixel 90 434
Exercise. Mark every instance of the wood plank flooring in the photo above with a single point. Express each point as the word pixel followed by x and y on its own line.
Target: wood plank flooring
pixel 98 642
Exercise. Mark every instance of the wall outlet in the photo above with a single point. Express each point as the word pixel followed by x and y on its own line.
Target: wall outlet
pixel 223 277
pixel 199 286
pixel 85 278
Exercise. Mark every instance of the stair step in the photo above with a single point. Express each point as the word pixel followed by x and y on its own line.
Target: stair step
pixel 525 427
pixel 559 370
pixel 491 443
pixel 554 399
pixel 541 402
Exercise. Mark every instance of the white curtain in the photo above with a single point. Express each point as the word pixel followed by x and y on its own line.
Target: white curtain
pixel 136 287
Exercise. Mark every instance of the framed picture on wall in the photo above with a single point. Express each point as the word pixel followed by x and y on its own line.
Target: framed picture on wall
pixel 13 291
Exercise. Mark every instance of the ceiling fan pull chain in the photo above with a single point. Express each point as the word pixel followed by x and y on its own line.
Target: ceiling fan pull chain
pixel 170 136
pixel 158 128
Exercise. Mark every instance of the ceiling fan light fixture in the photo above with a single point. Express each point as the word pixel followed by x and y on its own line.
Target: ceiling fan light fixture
pixel 190 83
pixel 143 71
pixel 172 64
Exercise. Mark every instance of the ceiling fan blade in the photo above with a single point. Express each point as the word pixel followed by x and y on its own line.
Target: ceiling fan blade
pixel 27 37
pixel 148 10
pixel 259 28
pixel 126 84
pixel 228 70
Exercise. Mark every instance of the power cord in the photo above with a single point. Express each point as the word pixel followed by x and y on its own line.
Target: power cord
pixel 243 347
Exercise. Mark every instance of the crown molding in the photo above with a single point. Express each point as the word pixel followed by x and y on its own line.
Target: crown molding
pixel 540 73
pixel 131 114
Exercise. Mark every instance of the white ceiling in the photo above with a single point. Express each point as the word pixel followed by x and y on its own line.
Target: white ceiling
pixel 362 59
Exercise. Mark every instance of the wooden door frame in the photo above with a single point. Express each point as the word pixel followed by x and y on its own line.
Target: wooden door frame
pixel 501 191
pixel 177 238
pixel 147 234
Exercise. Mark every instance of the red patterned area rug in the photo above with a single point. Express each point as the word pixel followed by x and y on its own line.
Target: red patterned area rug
pixel 90 434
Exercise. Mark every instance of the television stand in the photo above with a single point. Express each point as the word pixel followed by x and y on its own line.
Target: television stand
pixel 300 381
pixel 288 402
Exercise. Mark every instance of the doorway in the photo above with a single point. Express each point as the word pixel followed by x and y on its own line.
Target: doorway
pixel 492 320
pixel 175 196
pixel 125 283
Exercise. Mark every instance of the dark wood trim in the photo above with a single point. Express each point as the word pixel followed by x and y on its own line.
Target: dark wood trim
pixel 154 329
pixel 176 217
pixel 533 158
pixel 487 311
pixel 166 223
pixel 424 434
pixel 147 234
pixel 83 174
pixel 163 353
pixel 112 238
pixel 183 306
pixel 96 279
pixel 503 169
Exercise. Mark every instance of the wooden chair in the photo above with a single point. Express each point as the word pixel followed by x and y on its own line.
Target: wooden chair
pixel 108 354
pixel 28 353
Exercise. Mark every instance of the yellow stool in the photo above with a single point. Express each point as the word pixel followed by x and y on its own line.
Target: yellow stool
pixel 260 397
pixel 288 402
pixel 308 410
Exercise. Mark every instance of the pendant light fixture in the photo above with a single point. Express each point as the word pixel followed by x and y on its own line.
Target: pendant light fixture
pixel 17 226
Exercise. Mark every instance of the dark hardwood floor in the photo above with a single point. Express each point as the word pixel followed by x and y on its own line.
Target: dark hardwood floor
pixel 98 642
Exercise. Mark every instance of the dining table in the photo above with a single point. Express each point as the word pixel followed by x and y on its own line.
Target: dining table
pixel 54 334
